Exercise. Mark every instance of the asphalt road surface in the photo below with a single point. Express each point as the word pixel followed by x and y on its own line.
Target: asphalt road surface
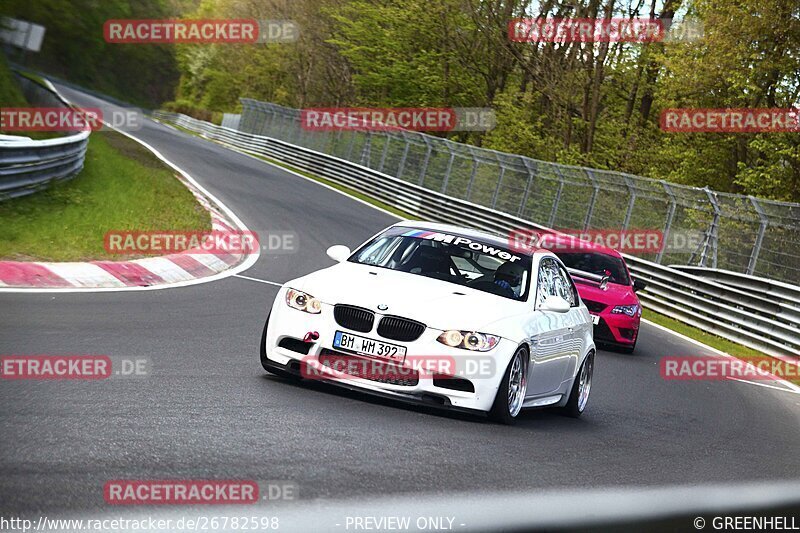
pixel 207 410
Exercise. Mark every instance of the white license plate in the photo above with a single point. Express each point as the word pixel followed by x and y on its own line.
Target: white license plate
pixel 371 347
pixel 595 319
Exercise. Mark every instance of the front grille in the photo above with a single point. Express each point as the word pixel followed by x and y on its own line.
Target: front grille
pixel 295 345
pixel 602 332
pixel 370 369
pixel 355 318
pixel 595 307
pixel 400 329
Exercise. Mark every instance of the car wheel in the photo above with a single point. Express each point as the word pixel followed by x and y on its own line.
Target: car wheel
pixel 579 395
pixel 511 393
pixel 266 363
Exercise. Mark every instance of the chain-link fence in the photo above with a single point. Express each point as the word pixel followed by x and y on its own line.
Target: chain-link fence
pixel 700 226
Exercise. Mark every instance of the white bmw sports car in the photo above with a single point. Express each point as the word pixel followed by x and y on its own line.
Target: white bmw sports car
pixel 442 315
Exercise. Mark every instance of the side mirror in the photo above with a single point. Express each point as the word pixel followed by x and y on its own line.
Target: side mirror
pixel 555 304
pixel 638 285
pixel 339 253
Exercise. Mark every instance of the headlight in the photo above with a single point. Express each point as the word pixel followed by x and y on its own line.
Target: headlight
pixel 303 302
pixel 629 310
pixel 469 340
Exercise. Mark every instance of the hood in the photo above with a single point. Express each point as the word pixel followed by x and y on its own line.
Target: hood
pixel 439 304
pixel 615 293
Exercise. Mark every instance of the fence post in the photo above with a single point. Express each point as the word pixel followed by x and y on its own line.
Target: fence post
pixel 402 164
pixel 668 223
pixel 632 191
pixel 365 152
pixel 595 191
pixel 762 228
pixel 499 179
pixel 557 200
pixel 472 175
pixel 521 210
pixel 710 242
pixel 449 169
pixel 387 138
pixel 424 169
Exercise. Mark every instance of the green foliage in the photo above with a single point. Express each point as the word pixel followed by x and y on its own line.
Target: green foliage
pixel 74 47
pixel 589 104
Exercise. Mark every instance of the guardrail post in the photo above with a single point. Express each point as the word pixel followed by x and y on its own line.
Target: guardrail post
pixel 528 185
pixel 557 200
pixel 668 224
pixel 592 201
pixel 424 169
pixel 762 228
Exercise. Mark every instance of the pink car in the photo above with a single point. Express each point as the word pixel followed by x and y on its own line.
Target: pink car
pixel 607 288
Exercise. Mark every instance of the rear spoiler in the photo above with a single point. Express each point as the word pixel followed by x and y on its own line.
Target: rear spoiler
pixel 601 281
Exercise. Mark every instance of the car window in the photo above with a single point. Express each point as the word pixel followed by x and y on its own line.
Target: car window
pixel 466 261
pixel 553 280
pixel 597 263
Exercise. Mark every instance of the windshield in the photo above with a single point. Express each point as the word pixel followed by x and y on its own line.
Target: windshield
pixel 453 258
pixel 597 263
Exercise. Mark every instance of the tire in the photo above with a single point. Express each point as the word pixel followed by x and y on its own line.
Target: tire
pixel 576 405
pixel 269 366
pixel 505 409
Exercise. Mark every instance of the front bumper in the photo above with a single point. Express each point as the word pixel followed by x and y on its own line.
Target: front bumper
pixel 617 329
pixel 285 351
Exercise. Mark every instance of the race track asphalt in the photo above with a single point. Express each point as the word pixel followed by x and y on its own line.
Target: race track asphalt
pixel 207 409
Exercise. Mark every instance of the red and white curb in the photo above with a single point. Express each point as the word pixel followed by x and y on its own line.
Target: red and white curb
pixel 167 271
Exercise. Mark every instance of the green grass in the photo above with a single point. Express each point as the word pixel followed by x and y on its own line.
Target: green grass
pixel 724 345
pixel 123 186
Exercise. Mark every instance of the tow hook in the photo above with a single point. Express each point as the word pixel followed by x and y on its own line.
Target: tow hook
pixel 311 336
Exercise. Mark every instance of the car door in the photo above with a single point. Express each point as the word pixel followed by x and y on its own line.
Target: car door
pixel 579 327
pixel 548 333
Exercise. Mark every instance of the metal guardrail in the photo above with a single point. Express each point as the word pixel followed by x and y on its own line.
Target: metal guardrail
pixel 768 288
pixel 28 165
pixel 748 318
pixel 700 226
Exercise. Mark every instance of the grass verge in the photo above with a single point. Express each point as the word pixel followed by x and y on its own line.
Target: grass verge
pixel 122 186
